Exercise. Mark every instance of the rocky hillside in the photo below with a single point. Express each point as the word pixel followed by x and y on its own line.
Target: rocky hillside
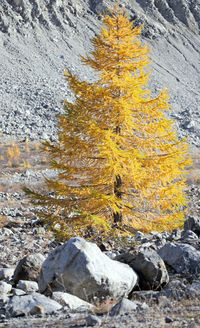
pixel 39 38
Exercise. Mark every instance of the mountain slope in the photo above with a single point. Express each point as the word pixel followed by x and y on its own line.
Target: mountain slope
pixel 40 38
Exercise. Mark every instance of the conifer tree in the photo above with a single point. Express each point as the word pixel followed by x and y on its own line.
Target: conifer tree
pixel 119 159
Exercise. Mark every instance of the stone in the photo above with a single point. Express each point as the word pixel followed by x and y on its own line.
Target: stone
pixel 192 223
pixel 93 320
pixel 34 303
pixel 164 301
pixel 193 290
pixel 6 273
pixel 27 286
pixel 80 268
pixel 149 266
pixel 144 295
pixel 124 306
pixel 181 257
pixel 138 235
pixel 18 292
pixel 28 268
pixel 168 320
pixel 188 235
pixel 4 287
pixel 175 290
pixel 4 298
pixel 175 235
pixel 71 301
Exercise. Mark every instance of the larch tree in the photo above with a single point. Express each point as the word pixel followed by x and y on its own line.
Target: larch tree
pixel 119 160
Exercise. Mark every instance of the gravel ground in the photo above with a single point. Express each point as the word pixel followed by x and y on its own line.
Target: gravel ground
pixel 38 39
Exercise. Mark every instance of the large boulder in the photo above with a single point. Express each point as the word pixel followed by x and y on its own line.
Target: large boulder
pixel 181 257
pixel 80 268
pixel 149 266
pixel 28 268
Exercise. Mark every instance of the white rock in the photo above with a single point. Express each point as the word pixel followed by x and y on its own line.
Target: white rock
pixel 6 273
pixel 4 287
pixel 18 292
pixel 73 302
pixel 80 268
pixel 4 297
pixel 34 303
pixel 28 286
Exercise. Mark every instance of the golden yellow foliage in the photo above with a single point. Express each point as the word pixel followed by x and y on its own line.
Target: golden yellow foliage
pixel 119 158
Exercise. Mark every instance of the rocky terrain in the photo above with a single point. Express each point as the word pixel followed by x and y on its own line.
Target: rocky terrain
pixel 144 280
pixel 38 40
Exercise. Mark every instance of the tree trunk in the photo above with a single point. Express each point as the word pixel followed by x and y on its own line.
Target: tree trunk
pixel 117 186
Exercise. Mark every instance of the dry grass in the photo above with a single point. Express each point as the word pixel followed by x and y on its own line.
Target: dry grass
pixel 3 221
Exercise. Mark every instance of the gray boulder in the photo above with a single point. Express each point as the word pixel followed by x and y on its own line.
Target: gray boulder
pixel 80 268
pixel 34 303
pixel 28 268
pixel 149 267
pixel 192 223
pixel 181 257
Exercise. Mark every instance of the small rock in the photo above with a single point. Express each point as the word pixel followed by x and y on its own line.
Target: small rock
pixel 6 273
pixel 168 320
pixel 27 286
pixel 138 236
pixel 4 298
pixel 163 301
pixel 193 290
pixel 18 292
pixel 28 268
pixel 188 235
pixel 175 289
pixel 175 235
pixel 30 304
pixel 4 287
pixel 192 223
pixel 73 302
pixel 93 320
pixel 123 307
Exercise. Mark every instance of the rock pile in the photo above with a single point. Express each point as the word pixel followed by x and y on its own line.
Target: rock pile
pixel 77 276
